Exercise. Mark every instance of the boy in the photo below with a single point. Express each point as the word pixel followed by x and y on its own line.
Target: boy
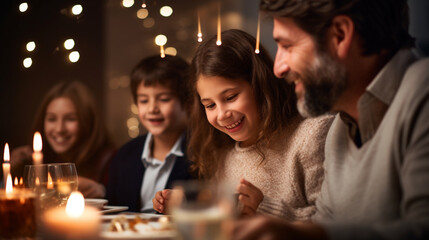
pixel 152 162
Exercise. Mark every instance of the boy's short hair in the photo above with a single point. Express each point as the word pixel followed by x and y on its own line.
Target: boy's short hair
pixel 171 72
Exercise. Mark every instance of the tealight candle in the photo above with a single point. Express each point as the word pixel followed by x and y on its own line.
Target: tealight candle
pixel 75 221
pixel 6 163
pixel 17 212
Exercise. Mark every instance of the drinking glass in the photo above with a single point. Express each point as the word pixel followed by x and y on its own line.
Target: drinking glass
pixel 52 183
pixel 201 210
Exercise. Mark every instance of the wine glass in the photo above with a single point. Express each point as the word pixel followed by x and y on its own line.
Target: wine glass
pixel 52 183
pixel 201 210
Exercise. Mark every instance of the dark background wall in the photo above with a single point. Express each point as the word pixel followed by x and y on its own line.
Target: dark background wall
pixel 49 24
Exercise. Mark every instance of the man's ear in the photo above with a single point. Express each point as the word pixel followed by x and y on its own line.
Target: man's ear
pixel 341 35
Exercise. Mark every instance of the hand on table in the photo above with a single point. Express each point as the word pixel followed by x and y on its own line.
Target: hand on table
pixel 249 196
pixel 160 201
pixel 90 188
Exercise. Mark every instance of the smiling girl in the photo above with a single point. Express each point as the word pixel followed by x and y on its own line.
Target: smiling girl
pixel 246 130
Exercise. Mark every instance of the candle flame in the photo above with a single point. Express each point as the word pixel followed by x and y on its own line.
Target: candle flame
pixel 50 183
pixel 21 181
pixel 9 187
pixel 37 142
pixel 75 205
pixel 15 182
pixel 6 154
pixel 258 34
pixel 37 181
pixel 219 41
pixel 144 4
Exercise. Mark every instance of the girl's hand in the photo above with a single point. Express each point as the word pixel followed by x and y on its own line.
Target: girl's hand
pixel 249 196
pixel 160 201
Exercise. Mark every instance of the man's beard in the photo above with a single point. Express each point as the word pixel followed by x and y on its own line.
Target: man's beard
pixel 324 80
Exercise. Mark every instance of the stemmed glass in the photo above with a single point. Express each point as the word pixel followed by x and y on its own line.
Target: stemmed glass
pixel 201 210
pixel 52 183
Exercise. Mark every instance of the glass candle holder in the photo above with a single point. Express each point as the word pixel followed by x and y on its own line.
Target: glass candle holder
pixel 17 214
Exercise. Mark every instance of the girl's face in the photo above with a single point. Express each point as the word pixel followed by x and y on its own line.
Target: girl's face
pixel 61 124
pixel 160 111
pixel 230 107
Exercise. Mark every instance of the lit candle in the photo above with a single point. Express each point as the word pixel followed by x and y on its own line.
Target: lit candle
pixel 6 163
pixel 199 35
pixel 75 221
pixel 219 39
pixel 37 149
pixel 258 34
pixel 144 4
pixel 17 212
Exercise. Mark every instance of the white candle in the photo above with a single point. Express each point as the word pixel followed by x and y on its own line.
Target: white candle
pixel 75 221
pixel 6 163
pixel 37 149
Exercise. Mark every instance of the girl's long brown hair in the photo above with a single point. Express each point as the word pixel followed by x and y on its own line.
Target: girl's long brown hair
pixel 236 59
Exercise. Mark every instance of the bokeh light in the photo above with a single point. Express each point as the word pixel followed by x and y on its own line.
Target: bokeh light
pixel 27 62
pixel 142 13
pixel 133 132
pixel 166 11
pixel 127 3
pixel 171 51
pixel 74 56
pixel 148 22
pixel 132 122
pixel 69 44
pixel 77 9
pixel 160 40
pixel 23 7
pixel 30 46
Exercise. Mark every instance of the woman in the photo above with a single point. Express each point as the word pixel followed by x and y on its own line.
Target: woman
pixel 72 131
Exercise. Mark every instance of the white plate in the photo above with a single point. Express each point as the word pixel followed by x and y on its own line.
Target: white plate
pixel 113 209
pixel 95 202
pixel 129 235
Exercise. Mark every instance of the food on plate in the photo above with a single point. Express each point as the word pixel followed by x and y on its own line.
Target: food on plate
pixel 137 224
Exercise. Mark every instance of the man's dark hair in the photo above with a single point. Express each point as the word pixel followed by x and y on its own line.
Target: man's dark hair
pixel 381 24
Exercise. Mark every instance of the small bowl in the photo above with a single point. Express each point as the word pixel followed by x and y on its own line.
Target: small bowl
pixel 96 202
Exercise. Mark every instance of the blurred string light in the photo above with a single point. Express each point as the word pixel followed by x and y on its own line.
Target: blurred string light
pixel 74 56
pixel 134 109
pixel 27 62
pixel 23 7
pixel 200 34
pixel 144 4
pixel 30 46
pixel 148 22
pixel 166 11
pixel 171 51
pixel 127 3
pixel 77 9
pixel 142 13
pixel 161 40
pixel 258 34
pixel 69 44
pixel 219 39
